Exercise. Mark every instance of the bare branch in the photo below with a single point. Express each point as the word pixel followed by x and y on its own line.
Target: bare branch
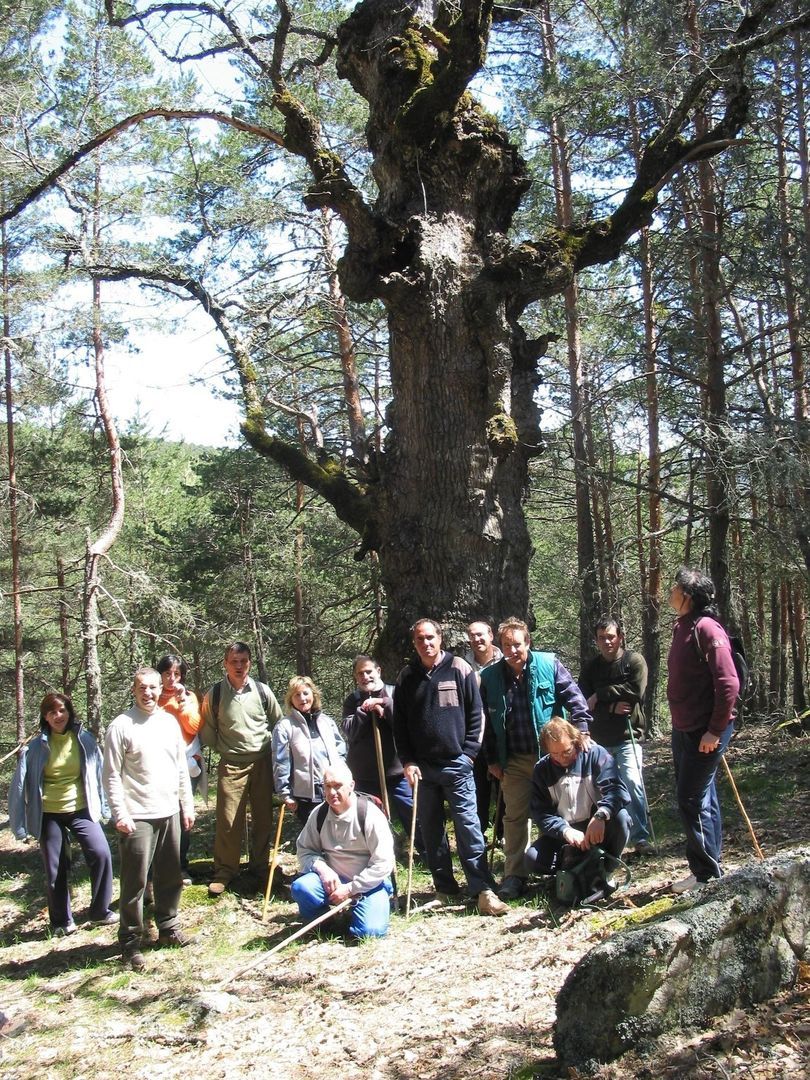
pixel 326 475
pixel 113 132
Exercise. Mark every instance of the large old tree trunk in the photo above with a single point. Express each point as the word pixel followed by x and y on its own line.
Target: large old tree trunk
pixel 453 538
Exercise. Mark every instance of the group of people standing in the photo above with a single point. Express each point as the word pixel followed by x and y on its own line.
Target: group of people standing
pixel 578 779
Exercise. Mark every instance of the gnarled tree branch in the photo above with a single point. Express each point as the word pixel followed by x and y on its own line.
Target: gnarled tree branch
pixel 544 267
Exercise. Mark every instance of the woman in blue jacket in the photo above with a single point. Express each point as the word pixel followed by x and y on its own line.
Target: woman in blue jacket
pixel 56 791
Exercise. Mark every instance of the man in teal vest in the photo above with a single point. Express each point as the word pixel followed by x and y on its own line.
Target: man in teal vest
pixel 519 694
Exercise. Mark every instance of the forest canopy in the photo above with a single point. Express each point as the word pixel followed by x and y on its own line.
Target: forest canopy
pixel 513 297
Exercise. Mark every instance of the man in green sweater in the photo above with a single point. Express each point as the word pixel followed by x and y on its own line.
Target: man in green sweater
pixel 238 716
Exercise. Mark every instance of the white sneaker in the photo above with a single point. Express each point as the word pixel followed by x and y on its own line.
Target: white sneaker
pixel 685 886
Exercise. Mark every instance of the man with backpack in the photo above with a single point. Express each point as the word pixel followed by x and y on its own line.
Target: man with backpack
pixel 238 716
pixel 346 851
pixel 702 690
pixel 613 683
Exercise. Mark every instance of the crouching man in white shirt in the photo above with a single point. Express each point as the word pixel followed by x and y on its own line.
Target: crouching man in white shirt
pixel 346 850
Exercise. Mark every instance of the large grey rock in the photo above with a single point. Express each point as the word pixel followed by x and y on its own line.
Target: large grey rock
pixel 734 942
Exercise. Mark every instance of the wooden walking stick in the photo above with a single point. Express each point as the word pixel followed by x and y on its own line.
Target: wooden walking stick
pixel 410 848
pixel 273 861
pixel 643 785
pixel 282 944
pixel 499 807
pixel 757 848
pixel 375 727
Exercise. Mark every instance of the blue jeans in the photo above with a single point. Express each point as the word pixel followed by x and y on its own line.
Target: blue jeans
pixel 55 849
pixel 400 799
pixel 370 913
pixel 629 762
pixel 698 804
pixel 453 782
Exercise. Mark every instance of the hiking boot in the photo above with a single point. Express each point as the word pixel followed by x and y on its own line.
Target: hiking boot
pixel 134 958
pixel 489 904
pixel 685 886
pixel 512 887
pixel 64 931
pixel 172 939
pixel 216 888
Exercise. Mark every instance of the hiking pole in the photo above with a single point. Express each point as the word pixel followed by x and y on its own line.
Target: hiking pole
pixel 273 861
pixel 410 847
pixel 640 768
pixel 496 824
pixel 383 786
pixel 282 944
pixel 380 766
pixel 757 848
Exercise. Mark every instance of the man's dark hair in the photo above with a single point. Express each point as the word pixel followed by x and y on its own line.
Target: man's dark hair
pixel 698 586
pixel 240 647
pixel 167 662
pixel 604 621
pixel 437 626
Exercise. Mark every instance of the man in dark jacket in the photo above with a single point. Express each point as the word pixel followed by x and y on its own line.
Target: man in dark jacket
pixel 371 704
pixel 614 683
pixel 578 797
pixel 437 727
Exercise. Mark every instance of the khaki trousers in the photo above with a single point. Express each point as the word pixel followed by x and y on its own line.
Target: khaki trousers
pixel 237 787
pixel 516 786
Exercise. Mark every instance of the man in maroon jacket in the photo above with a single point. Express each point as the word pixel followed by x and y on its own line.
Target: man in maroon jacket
pixel 702 692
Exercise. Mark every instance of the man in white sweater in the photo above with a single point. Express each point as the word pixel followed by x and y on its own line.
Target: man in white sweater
pixel 148 788
pixel 346 850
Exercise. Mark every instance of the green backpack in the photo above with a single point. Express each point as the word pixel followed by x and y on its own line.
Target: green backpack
pixel 585 877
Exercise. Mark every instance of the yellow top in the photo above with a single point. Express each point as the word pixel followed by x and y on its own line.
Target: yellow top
pixel 62 787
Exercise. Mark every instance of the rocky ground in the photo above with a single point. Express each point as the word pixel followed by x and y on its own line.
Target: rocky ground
pixel 447 994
